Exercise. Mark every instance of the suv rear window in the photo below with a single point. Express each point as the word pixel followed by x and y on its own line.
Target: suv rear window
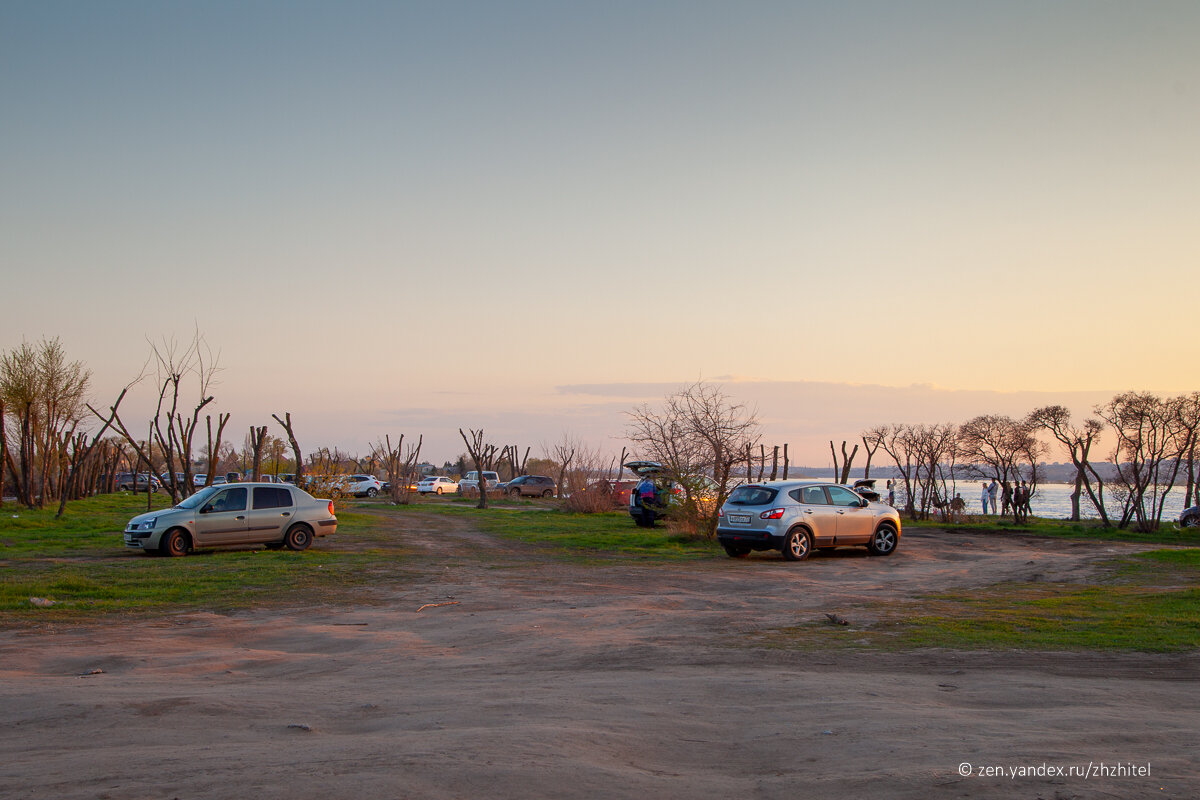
pixel 752 496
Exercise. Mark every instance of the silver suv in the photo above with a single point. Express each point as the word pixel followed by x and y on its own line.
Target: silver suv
pixel 470 482
pixel 796 516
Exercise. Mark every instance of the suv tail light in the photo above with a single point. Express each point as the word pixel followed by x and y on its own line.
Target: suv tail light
pixel 774 513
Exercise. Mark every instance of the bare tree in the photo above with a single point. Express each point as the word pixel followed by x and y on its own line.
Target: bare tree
pixel 258 437
pixel 171 431
pixel 1189 420
pixel 1003 448
pixel 481 453
pixel 400 465
pixel 286 424
pixel 562 454
pixel 510 455
pixel 870 446
pixel 45 394
pixel 81 453
pixel 698 436
pixel 847 461
pixel 1150 438
pixel 214 447
pixel 1077 442
pixel 897 441
pixel 935 448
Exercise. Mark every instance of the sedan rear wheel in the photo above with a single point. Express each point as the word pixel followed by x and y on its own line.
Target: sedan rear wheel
pixel 796 545
pixel 299 537
pixel 1192 522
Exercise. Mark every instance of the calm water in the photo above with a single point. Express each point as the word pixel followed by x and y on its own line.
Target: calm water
pixel 1053 501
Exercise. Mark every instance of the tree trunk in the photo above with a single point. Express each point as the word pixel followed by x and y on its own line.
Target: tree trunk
pixel 258 437
pixel 286 423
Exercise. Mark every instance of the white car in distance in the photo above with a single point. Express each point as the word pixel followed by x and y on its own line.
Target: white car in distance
pixel 360 485
pixel 437 484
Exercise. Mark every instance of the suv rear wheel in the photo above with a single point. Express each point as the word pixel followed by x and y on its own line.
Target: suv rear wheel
pixel 796 545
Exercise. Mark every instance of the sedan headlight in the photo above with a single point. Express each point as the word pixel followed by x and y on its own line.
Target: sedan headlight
pixel 146 525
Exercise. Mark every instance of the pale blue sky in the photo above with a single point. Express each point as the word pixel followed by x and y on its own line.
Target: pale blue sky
pixel 957 193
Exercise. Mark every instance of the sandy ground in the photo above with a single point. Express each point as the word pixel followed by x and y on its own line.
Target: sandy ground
pixel 546 679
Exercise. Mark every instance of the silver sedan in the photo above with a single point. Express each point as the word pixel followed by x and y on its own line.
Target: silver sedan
pixel 271 514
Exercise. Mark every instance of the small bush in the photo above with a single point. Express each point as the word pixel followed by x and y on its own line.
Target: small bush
pixel 593 501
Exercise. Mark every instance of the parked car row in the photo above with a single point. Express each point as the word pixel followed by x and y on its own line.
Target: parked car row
pixel 362 484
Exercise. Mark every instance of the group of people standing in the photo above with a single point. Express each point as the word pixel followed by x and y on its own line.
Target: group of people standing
pixel 1015 498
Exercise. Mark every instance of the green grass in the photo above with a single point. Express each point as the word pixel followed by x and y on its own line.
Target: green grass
pixel 87 526
pixel 80 563
pixel 1148 602
pixel 1063 529
pixel 611 534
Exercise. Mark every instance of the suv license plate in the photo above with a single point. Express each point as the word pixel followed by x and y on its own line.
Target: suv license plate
pixel 739 519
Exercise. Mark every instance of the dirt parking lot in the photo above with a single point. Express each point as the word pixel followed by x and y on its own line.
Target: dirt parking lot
pixel 532 677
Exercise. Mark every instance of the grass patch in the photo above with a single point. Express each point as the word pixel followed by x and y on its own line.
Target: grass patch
pixel 80 562
pixel 609 534
pixel 1168 533
pixel 1148 602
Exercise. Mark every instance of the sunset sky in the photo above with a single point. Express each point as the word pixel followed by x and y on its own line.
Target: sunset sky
pixel 531 216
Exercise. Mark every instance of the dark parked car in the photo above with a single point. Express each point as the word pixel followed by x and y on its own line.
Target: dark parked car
pixel 529 486
pixel 126 482
pixel 1190 518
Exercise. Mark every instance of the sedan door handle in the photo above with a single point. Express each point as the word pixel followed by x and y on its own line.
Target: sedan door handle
pixel 841 512
pixel 240 516
pixel 285 514
pixel 808 511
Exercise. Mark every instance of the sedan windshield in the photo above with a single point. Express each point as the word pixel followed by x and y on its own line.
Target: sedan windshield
pixel 199 498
